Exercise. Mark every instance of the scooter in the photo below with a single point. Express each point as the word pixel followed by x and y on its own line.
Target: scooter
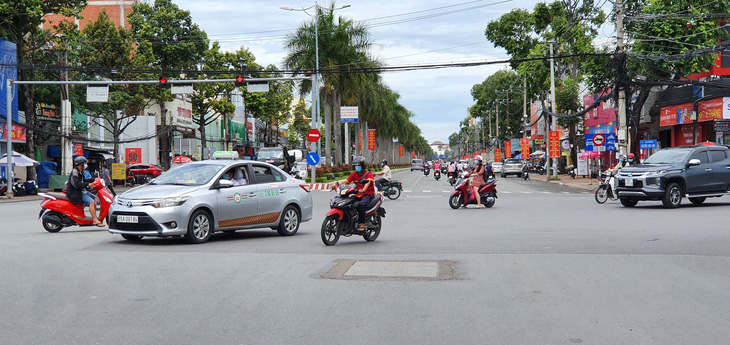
pixel 525 173
pixel 437 174
pixel 392 189
pixel 426 170
pixel 3 186
pixel 18 189
pixel 487 193
pixel 30 187
pixel 62 213
pixel 604 191
pixel 571 171
pixel 341 219
pixel 452 178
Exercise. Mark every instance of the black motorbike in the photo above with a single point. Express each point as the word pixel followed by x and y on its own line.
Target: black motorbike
pixel 452 178
pixel 437 174
pixel 525 173
pixel 392 189
pixel 342 218
pixel 426 170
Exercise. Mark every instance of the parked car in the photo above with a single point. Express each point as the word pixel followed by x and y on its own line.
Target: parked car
pixel 511 166
pixel 698 172
pixel 277 156
pixel 200 198
pixel 143 171
pixel 416 164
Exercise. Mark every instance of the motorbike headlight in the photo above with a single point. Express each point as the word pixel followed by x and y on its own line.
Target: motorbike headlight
pixel 167 202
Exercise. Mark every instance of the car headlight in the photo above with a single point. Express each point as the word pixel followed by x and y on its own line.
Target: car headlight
pixel 653 181
pixel 167 202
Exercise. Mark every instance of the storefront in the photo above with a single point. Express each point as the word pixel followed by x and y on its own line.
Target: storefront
pixel 680 119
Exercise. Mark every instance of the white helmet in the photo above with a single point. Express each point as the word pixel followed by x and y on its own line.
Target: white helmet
pixel 478 157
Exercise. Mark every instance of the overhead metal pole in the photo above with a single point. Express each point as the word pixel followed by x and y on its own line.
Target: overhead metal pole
pixel 314 145
pixel 316 73
pixel 554 108
pixel 9 134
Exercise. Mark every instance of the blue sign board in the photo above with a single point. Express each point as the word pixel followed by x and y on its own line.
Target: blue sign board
pixel 7 71
pixel 610 142
pixel 697 91
pixel 313 158
pixel 648 144
pixel 350 120
pixel 589 142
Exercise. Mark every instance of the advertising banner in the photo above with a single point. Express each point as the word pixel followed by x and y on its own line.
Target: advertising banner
pixel 250 128
pixel 507 149
pixel 525 147
pixel 497 155
pixel 348 114
pixel 710 110
pixel 17 134
pixel 118 171
pixel 183 117
pixel 554 137
pixel 675 115
pixel 360 147
pixel 371 139
pixel 133 155
pixel 78 149
pixel 401 150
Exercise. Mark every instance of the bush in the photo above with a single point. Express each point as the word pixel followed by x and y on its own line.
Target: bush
pixel 321 179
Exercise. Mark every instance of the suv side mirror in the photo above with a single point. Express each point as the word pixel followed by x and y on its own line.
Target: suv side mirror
pixel 693 162
pixel 223 183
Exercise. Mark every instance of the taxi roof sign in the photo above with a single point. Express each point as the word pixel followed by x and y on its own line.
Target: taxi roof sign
pixel 225 155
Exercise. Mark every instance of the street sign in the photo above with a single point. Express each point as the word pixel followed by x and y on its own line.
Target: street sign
pixel 312 158
pixel 565 144
pixel 181 89
pixel 610 144
pixel 348 114
pixel 395 141
pixel 599 148
pixel 598 139
pixel 589 142
pixel 648 144
pixel 313 135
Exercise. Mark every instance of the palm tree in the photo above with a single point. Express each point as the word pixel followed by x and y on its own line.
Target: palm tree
pixel 343 46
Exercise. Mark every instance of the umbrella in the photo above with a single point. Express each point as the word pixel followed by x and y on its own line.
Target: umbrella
pixel 19 159
pixel 590 154
pixel 537 153
pixel 519 156
pixel 181 159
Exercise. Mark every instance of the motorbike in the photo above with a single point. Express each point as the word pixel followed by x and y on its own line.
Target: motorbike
pixel 452 178
pixel 341 219
pixel 3 186
pixel 58 212
pixel 525 173
pixel 426 170
pixel 604 191
pixel 18 188
pixel 571 171
pixel 437 174
pixel 487 193
pixel 30 187
pixel 392 189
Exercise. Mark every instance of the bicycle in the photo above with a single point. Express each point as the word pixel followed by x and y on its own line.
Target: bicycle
pixel 604 191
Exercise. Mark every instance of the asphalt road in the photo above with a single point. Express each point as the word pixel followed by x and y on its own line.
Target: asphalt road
pixel 545 265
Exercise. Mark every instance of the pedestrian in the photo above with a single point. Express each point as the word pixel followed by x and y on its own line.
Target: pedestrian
pixel 107 176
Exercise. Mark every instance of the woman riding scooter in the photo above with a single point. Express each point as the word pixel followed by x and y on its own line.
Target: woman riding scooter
pixel 478 181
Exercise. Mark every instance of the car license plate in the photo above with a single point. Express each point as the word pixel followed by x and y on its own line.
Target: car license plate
pixel 629 182
pixel 127 219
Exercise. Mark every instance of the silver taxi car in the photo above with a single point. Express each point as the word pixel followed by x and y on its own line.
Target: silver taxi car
pixel 200 198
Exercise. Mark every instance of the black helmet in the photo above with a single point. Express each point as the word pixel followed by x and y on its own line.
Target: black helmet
pixel 359 160
pixel 80 160
pixel 384 161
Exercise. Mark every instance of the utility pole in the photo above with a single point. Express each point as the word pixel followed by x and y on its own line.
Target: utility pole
pixel 622 125
pixel 496 134
pixel 66 123
pixel 524 105
pixel 554 108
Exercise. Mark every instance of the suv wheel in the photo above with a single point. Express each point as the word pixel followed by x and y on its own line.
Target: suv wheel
pixel 629 202
pixel 672 196
pixel 697 201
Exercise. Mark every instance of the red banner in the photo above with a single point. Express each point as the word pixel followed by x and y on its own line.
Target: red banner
pixel 360 140
pixel 497 155
pixel 78 149
pixel 710 110
pixel 17 132
pixel 525 146
pixel 401 150
pixel 413 154
pixel 371 139
pixel 507 149
pixel 675 115
pixel 133 155
pixel 554 137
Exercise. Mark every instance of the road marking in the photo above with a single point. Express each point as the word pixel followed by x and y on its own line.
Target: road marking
pixel 505 192
pixel 545 192
pixel 445 191
pixel 526 192
pixel 427 191
pixel 406 191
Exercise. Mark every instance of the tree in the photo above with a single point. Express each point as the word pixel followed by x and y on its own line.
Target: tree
pixel 176 43
pixel 299 125
pixel 272 107
pixel 19 20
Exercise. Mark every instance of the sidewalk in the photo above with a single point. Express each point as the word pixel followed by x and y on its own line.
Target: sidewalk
pixel 3 199
pixel 579 182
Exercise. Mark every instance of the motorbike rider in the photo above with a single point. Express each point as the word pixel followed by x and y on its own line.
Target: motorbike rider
pixel 451 169
pixel 488 168
pixel 107 176
pixel 478 180
pixel 366 193
pixel 77 185
pixel 622 163
pixel 385 172
pixel 437 166
pixel 631 158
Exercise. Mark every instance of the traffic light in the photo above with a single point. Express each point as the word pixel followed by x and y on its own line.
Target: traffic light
pixel 240 81
pixel 164 83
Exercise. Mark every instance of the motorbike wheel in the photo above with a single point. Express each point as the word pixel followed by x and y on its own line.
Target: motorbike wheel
pixel 455 201
pixel 52 226
pixel 131 237
pixel 393 193
pixel 490 201
pixel 602 194
pixel 372 234
pixel 129 182
pixel 330 230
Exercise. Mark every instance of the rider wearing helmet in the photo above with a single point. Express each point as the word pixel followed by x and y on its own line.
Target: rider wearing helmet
pixel 631 158
pixel 478 181
pixel 77 185
pixel 366 192
pixel 386 174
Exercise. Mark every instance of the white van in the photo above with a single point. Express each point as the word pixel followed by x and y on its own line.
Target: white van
pixel 416 164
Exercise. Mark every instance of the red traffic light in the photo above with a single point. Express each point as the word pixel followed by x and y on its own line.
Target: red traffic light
pixel 164 83
pixel 163 80
pixel 240 81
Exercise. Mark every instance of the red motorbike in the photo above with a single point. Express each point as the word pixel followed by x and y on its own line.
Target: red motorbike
pixel 61 212
pixel 341 219
pixel 462 189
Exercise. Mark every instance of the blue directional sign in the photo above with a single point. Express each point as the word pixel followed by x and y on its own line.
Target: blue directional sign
pixel 589 142
pixel 648 144
pixel 312 158
pixel 610 142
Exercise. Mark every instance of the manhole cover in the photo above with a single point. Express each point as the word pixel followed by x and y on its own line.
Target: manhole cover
pixel 367 269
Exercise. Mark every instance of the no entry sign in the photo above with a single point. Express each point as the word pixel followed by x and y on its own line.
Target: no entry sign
pixel 313 135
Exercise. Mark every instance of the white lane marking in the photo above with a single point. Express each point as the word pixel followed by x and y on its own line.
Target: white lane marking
pixel 526 192
pixel 406 191
pixel 506 192
pixel 545 192
pixel 427 191
pixel 445 191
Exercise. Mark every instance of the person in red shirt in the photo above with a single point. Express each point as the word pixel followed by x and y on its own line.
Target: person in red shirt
pixel 366 190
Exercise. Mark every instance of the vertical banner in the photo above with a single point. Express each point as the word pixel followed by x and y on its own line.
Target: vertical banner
pixel 78 149
pixel 507 149
pixel 371 139
pixel 497 155
pixel 554 137
pixel 525 145
pixel 401 150
pixel 133 155
pixel 360 140
pixel 413 154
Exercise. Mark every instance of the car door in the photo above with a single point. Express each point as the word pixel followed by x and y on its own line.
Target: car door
pixel 237 205
pixel 699 178
pixel 271 192
pixel 720 169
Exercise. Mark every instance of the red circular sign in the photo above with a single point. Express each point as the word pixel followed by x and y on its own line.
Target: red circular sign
pixel 598 139
pixel 313 135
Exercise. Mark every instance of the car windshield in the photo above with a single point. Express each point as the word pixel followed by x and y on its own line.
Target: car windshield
pixel 512 161
pixel 271 154
pixel 189 174
pixel 674 156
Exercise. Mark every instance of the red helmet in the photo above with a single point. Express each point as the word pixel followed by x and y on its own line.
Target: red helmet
pixel 631 155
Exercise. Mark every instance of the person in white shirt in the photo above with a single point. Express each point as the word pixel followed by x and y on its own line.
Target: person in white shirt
pixel 385 172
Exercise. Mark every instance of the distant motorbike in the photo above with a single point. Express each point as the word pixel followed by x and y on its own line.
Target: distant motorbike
pixel 452 178
pixel 392 189
pixel 525 173
pixel 341 219
pixel 58 212
pixel 488 193
pixel 426 170
pixel 437 174
pixel 571 171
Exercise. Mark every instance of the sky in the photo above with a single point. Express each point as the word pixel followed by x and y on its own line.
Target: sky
pixel 406 32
